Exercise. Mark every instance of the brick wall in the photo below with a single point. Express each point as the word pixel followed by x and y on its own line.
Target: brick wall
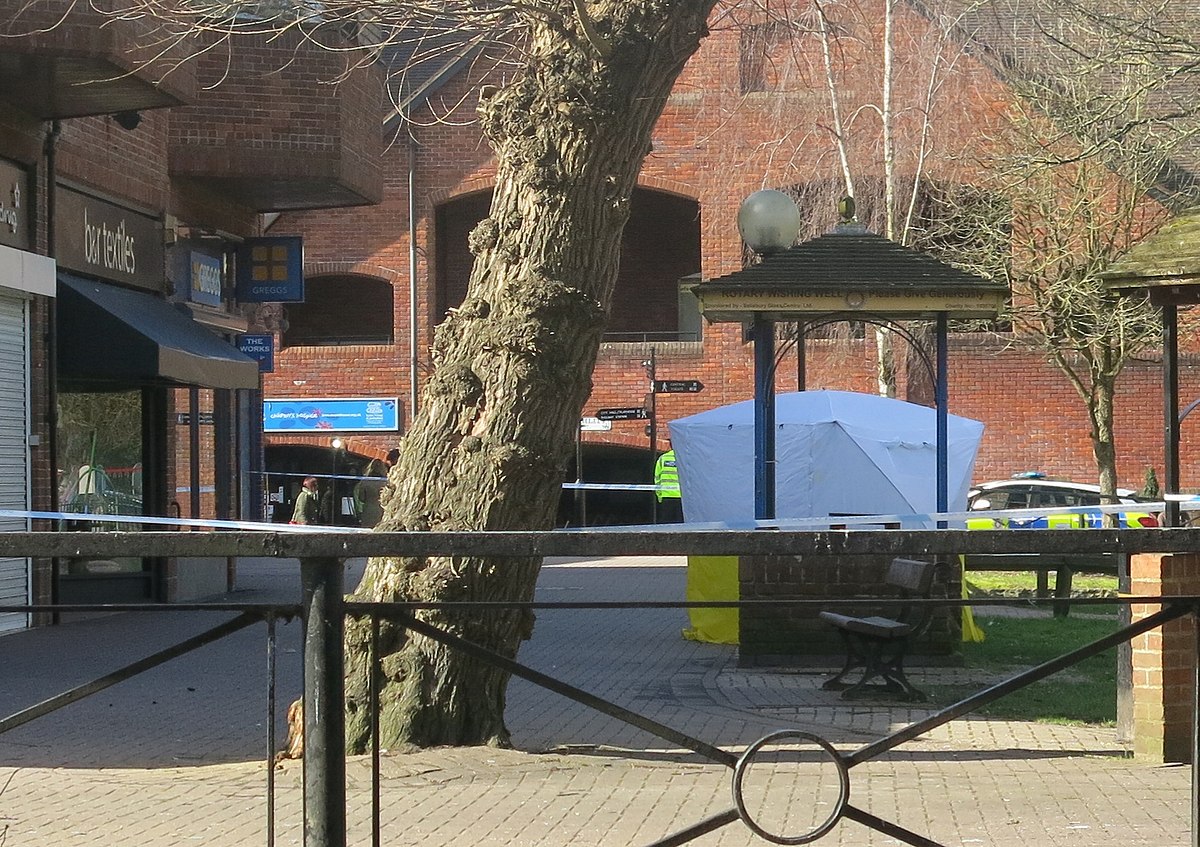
pixel 713 146
pixel 1164 659
pixel 306 113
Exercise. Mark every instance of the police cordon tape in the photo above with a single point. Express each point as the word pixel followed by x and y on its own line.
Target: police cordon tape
pixel 196 522
pixel 614 486
pixel 914 520
pixel 589 486
pixel 823 522
pixel 633 486
pixel 317 475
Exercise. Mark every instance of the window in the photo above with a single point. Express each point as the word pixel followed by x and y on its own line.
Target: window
pixel 758 41
pixel 341 310
pixel 660 256
pixel 1012 498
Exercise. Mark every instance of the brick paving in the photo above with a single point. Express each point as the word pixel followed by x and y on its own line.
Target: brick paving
pixel 177 756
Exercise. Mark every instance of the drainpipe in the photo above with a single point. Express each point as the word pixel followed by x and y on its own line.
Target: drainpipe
pixel 413 362
pixel 50 152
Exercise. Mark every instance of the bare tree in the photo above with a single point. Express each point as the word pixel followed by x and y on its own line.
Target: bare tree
pixel 512 364
pixel 1088 164
pixel 893 88
pixel 578 90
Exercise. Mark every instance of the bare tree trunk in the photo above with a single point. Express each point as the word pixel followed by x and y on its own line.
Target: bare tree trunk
pixel 1104 447
pixel 835 103
pixel 885 348
pixel 513 364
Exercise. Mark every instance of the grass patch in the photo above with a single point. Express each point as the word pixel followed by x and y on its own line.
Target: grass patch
pixel 1023 583
pixel 1085 693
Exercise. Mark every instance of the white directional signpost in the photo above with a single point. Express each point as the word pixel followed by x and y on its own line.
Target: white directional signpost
pixel 585 425
pixel 648 411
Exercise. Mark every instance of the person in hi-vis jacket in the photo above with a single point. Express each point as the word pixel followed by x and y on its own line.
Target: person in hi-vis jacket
pixel 666 477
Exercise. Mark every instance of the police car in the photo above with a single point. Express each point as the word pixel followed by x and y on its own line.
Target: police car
pixel 1032 490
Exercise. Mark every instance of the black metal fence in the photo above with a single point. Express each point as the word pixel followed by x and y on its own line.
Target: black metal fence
pixel 324 610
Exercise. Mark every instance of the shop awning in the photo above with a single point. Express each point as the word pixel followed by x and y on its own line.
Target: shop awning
pixel 115 337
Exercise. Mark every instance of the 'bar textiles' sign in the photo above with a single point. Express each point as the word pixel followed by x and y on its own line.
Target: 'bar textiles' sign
pixel 104 240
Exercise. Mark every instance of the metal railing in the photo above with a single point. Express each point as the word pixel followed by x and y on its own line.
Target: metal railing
pixel 324 611
pixel 651 337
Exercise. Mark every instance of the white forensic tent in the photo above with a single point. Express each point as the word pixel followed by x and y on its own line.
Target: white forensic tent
pixel 837 453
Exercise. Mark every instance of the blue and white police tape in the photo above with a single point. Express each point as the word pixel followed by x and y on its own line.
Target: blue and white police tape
pixel 318 475
pixel 207 523
pixel 913 520
pixel 612 486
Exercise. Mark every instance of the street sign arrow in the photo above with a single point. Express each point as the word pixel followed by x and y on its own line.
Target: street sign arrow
pixel 678 386
pixel 628 413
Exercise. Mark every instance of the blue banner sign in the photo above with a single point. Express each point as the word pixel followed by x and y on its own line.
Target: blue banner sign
pixel 259 347
pixel 206 279
pixel 332 414
pixel 271 270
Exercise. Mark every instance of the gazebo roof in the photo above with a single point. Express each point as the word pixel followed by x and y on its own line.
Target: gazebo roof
pixel 850 270
pixel 1170 257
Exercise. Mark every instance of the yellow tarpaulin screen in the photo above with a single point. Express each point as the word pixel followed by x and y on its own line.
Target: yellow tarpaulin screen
pixel 712 578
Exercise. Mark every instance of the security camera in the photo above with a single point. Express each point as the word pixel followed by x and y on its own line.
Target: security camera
pixel 128 120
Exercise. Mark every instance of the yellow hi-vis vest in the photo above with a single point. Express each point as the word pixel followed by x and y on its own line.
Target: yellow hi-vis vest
pixel 666 474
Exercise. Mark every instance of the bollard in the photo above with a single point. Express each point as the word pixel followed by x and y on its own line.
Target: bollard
pixel 324 701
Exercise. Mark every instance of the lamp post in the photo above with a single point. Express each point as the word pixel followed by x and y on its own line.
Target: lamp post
pixel 768 221
pixel 334 503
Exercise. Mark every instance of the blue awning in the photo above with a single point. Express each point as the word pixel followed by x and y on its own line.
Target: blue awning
pixel 111 337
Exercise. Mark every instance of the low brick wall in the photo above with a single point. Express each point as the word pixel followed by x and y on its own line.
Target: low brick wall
pixel 1164 659
pixel 796 636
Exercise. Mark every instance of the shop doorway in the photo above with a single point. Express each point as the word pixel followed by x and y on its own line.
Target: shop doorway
pixel 102 472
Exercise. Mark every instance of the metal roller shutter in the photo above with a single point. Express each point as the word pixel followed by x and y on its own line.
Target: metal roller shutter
pixel 14 454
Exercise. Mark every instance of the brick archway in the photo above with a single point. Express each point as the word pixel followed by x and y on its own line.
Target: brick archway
pixel 661 246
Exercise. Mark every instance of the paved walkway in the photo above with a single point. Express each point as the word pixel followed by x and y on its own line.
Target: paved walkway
pixel 177 755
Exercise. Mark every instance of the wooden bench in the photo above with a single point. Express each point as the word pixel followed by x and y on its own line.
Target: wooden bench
pixel 876 645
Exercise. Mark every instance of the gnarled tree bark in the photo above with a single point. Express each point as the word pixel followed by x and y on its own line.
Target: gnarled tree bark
pixel 512 365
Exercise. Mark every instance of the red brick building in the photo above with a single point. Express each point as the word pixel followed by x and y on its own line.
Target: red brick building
pixel 750 111
pixel 125 191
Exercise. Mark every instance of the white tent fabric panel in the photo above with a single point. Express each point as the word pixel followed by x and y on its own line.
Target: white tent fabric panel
pixel 14 455
pixel 837 453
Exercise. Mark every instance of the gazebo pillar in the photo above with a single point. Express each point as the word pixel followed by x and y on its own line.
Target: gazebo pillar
pixel 941 393
pixel 763 334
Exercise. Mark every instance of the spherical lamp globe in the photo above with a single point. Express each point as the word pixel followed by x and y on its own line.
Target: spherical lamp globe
pixel 768 221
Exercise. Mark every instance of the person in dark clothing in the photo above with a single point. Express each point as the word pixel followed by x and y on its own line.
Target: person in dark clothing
pixel 307 503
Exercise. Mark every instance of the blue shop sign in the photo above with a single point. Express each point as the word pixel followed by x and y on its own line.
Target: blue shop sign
pixel 259 347
pixel 271 270
pixel 332 414
pixel 205 273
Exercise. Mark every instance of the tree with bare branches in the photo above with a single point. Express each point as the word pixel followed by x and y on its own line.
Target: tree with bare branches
pixel 576 90
pixel 512 364
pixel 1095 156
